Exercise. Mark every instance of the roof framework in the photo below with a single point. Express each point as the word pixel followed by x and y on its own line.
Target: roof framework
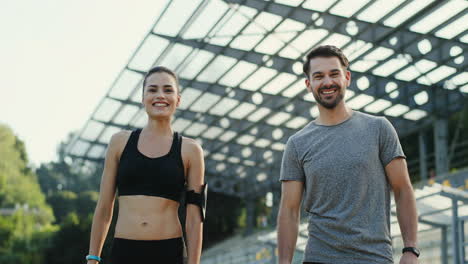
pixel 243 92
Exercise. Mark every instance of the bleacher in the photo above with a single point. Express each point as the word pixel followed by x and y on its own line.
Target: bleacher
pixel 435 203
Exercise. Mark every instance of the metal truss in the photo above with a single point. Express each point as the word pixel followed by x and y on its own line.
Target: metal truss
pixel 240 69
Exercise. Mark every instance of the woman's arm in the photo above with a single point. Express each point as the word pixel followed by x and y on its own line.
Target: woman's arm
pixel 195 180
pixel 103 212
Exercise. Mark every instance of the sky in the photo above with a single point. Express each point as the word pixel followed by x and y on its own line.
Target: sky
pixel 58 58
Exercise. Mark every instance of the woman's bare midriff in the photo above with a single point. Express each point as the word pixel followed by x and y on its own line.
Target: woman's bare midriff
pixel 144 217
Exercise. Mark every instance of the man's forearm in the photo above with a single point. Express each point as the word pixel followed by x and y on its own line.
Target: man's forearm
pixel 288 224
pixel 407 216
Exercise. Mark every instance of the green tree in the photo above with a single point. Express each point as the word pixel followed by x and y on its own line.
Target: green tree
pixel 25 218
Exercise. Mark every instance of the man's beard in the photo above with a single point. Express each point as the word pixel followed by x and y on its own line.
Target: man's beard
pixel 332 104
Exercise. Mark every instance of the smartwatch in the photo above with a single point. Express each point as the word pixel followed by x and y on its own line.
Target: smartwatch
pixel 413 250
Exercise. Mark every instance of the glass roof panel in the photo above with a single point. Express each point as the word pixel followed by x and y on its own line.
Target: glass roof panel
pixel 175 56
pixel 224 106
pixel 242 110
pixel 256 80
pixel 107 109
pixel 246 42
pixel 271 44
pixel 80 148
pixel 460 79
pixel 205 102
pixel 175 17
pixel 379 54
pixel 464 88
pixel 126 114
pixel 217 68
pixel 96 151
pixel 356 48
pixel 378 9
pixel 267 21
pixel 348 94
pixel 241 70
pixel 314 111
pixel 140 120
pixel 391 66
pixel 396 110
pixel 123 87
pixel 413 71
pixel 260 113
pixel 308 39
pixel 440 73
pixel 359 101
pixel 453 29
pixel 309 97
pixel 204 22
pixel 336 39
pixel 245 139
pixel 149 51
pixel 108 133
pixel 406 12
pixel 198 62
pixel 262 143
pixel 377 106
pixel 220 41
pixel 279 83
pixel 347 8
pixel 286 2
pixel 464 38
pixel 297 122
pixel 437 17
pixel 321 5
pixel 278 118
pixel 233 26
pixel 362 65
pixel 187 96
pixel 228 135
pixel 180 124
pixel 289 25
pixel 415 114
pixel 278 146
pixel 213 132
pixel 421 97
pixel 92 130
pixel 295 89
pixel 195 129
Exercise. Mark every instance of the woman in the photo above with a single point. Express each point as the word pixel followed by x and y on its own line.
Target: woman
pixel 150 169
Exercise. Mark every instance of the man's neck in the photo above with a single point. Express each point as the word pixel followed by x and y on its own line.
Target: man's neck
pixel 337 115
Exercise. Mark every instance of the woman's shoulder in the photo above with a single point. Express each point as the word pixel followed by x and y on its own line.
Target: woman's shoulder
pixel 191 145
pixel 119 140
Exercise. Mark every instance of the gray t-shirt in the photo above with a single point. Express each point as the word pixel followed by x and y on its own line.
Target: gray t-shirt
pixel 347 194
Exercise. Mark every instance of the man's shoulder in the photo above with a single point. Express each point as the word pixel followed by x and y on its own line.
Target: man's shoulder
pixel 368 118
pixel 303 132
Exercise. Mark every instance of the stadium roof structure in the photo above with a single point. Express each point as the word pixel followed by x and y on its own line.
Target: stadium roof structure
pixel 243 92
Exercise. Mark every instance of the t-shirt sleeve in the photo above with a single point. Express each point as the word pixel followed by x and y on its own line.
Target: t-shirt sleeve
pixel 291 167
pixel 390 147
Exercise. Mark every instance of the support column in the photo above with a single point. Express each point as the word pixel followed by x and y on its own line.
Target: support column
pixel 275 208
pixel 422 156
pixel 455 233
pixel 443 246
pixel 250 219
pixel 441 145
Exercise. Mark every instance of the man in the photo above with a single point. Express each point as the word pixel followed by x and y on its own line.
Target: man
pixel 344 164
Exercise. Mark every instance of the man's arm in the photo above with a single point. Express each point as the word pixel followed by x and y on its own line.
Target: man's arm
pixel 398 177
pixel 288 219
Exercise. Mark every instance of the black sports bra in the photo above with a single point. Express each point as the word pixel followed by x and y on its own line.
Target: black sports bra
pixel 163 176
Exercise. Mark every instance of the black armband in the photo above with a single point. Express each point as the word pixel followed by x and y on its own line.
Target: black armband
pixel 198 199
